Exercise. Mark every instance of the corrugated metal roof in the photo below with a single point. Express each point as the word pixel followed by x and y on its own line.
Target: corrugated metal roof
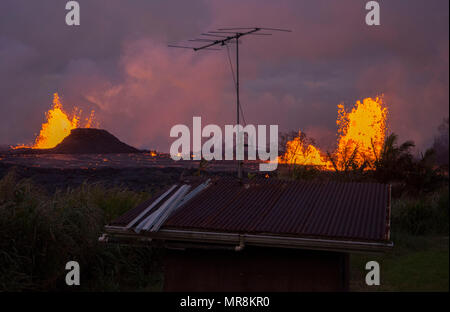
pixel 132 214
pixel 353 211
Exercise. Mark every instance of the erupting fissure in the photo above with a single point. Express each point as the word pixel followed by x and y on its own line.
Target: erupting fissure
pixel 361 134
pixel 58 125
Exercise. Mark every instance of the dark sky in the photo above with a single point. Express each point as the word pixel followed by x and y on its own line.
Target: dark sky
pixel 118 63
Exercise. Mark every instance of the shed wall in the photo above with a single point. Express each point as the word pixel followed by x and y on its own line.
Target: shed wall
pixel 255 269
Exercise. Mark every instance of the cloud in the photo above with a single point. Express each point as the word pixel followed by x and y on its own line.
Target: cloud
pixel 154 88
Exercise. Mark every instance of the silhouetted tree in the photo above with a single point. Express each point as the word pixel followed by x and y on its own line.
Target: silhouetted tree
pixel 394 161
pixel 440 144
pixel 285 137
pixel 345 160
pixel 424 174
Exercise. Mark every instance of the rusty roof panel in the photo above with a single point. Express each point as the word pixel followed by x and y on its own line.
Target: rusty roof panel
pixel 354 211
pixel 337 210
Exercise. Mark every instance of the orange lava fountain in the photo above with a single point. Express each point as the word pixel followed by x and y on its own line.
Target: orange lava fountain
pixel 361 134
pixel 58 125
pixel 299 153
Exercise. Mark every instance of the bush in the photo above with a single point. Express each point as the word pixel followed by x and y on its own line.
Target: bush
pixel 301 172
pixel 39 234
pixel 419 216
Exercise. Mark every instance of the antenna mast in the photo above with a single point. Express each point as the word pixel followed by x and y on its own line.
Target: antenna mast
pixel 239 163
pixel 225 36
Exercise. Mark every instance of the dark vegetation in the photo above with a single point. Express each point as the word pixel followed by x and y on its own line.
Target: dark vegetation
pixel 39 233
pixel 137 179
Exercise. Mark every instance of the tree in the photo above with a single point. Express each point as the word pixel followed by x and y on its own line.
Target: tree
pixel 440 144
pixel 394 161
pixel 286 137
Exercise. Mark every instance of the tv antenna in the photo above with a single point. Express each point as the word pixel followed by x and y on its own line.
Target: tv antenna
pixel 221 37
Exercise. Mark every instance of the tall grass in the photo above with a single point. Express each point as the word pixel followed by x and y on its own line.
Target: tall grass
pixel 40 233
pixel 424 215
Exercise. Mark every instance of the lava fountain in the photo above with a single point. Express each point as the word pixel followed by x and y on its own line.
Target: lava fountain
pixel 58 125
pixel 361 134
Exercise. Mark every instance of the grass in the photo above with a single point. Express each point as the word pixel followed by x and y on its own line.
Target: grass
pixel 416 263
pixel 40 233
pixel 419 260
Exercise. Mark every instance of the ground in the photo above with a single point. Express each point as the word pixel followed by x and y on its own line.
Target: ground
pixel 416 263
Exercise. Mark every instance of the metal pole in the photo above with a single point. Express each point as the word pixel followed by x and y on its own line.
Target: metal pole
pixel 224 34
pixel 237 100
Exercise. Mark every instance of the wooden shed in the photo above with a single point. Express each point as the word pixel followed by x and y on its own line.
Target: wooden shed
pixel 260 234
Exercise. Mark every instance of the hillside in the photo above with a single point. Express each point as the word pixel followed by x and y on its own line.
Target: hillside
pixel 84 141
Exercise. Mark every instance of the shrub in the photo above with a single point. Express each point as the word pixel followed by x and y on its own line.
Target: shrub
pixel 40 233
pixel 425 215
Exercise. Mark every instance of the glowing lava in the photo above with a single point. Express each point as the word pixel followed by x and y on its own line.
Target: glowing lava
pixel 361 134
pixel 58 125
pixel 299 153
pixel 361 131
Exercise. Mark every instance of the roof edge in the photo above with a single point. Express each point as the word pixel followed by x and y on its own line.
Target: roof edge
pixel 260 240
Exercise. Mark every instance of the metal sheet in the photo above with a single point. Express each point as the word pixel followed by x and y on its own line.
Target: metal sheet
pixel 349 211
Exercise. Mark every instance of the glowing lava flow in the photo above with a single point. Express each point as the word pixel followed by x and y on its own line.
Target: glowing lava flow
pixel 362 129
pixel 361 134
pixel 299 153
pixel 58 125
